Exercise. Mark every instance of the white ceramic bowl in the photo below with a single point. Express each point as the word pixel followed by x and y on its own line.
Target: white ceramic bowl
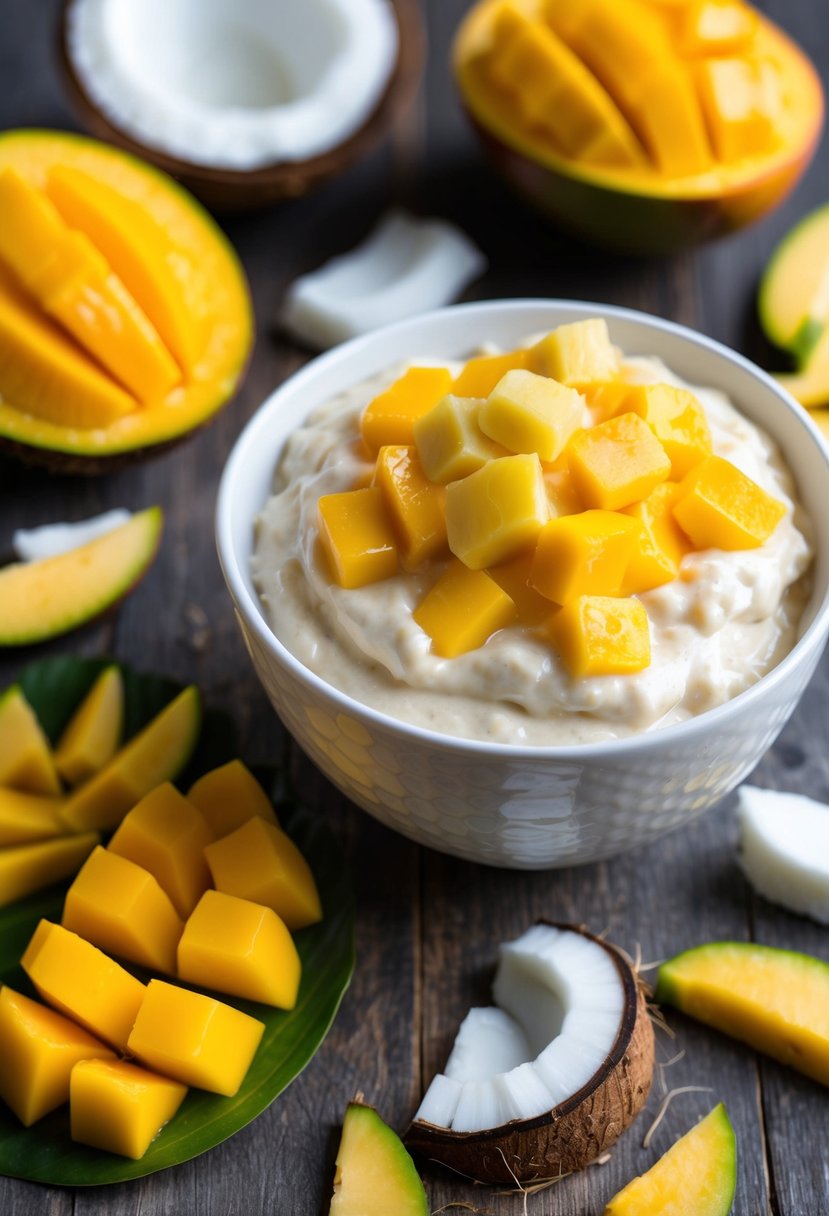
pixel 523 807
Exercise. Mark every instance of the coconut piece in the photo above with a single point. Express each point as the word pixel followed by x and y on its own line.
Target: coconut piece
pixel 784 849
pixel 32 544
pixel 546 1081
pixel 405 266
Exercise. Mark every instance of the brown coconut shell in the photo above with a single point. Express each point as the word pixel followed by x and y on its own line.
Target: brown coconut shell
pixel 228 190
pixel 572 1134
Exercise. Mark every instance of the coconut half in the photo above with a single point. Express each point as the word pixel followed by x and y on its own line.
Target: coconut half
pixel 544 1082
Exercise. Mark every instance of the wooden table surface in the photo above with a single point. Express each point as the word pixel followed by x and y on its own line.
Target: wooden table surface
pixel 428 925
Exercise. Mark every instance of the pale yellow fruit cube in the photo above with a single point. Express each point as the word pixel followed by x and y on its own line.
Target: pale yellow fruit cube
pixel 530 413
pixel 450 442
pixel 496 512
pixel 576 354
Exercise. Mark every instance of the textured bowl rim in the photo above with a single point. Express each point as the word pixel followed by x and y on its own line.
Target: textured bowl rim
pixel 680 733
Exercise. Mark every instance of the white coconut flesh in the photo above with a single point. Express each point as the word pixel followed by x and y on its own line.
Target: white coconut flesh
pixel 50 540
pixel 234 84
pixel 784 849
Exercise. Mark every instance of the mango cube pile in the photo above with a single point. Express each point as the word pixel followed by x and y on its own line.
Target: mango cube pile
pixel 542 489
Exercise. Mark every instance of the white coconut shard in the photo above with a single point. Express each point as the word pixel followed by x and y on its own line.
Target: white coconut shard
pixel 49 540
pixel 560 1001
pixel 784 849
pixel 235 84
pixel 404 267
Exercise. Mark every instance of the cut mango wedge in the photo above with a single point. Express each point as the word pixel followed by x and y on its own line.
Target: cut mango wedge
pixel 374 1174
pixel 26 761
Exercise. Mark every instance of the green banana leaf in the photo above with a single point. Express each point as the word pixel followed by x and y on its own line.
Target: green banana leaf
pixel 45 1152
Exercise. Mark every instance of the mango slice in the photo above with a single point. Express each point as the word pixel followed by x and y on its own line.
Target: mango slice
pixel 660 545
pixel 228 796
pixel 260 863
pixel 617 462
pixel 414 504
pixel 793 299
pixel 28 817
pixel 156 754
pixel 357 537
pixel 450 442
pixel 584 554
pixel 26 868
pixel 165 835
pixel 480 374
pixel 241 948
pixel 462 610
pixel 577 354
pixel 719 507
pixel 120 1108
pixel 495 513
pixel 530 413
pixel 26 760
pixel 374 1174
pixel 80 981
pixel 678 421
pixel 775 1000
pixel 389 418
pixel 193 1038
pixel 598 635
pixel 120 907
pixel 39 1049
pixel 91 737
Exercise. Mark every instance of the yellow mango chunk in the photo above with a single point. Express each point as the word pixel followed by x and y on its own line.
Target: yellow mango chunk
pixel 585 554
pixel 119 1107
pixel 576 354
pixel 741 102
pixel 530 413
pixel 462 609
pixel 716 27
pixel 661 543
pixel 719 507
pixel 555 93
pixel 28 817
pixel 514 578
pixel 194 1038
pixel 390 417
pixel 562 496
pixel 39 1049
pixel 120 907
pixel 495 513
pixel 165 835
pixel 91 737
pixel 72 281
pixel 25 868
pixel 617 462
pixel 450 442
pixel 357 537
pixel 79 980
pixel 414 503
pixel 228 796
pixel 596 635
pixel 157 753
pixel 678 421
pixel 606 398
pixel 242 948
pixel 479 375
pixel 260 863
pixel 45 373
pixel 26 760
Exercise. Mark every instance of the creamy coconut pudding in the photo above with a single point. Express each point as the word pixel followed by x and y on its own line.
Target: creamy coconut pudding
pixel 547 546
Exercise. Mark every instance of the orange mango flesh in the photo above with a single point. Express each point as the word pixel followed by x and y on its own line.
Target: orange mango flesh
pixel 677 420
pixel 228 796
pixel 389 418
pixel 597 635
pixel 120 1108
pixel 58 376
pixel 479 375
pixel 90 739
pixel 415 504
pixel 661 543
pixel 584 554
pixel 617 462
pixel 462 609
pixel 25 868
pixel 357 537
pixel 497 511
pixel 28 817
pixel 26 760
pixel 718 506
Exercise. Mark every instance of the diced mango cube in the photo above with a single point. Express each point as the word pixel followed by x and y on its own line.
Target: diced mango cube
pixel 596 635
pixel 79 980
pixel 661 544
pixel 28 817
pixel 495 513
pixel 450 442
pixel 119 1107
pixel 26 761
pixel 479 375
pixel 606 398
pixel 121 908
pixel 357 536
pixel 194 1038
pixel 25 868
pixel 260 863
pixel 229 796
pixel 242 948
pixel 562 496
pixel 415 504
pixel 617 462
pixel 741 102
pixel 678 421
pixel 576 354
pixel 390 417
pixel 716 27
pixel 165 835
pixel 91 737
pixel 720 507
pixel 513 577
pixel 585 554
pixel 39 1049
pixel 462 610
pixel 530 413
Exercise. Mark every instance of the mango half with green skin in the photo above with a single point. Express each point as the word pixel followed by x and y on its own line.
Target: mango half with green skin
pixel 647 158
